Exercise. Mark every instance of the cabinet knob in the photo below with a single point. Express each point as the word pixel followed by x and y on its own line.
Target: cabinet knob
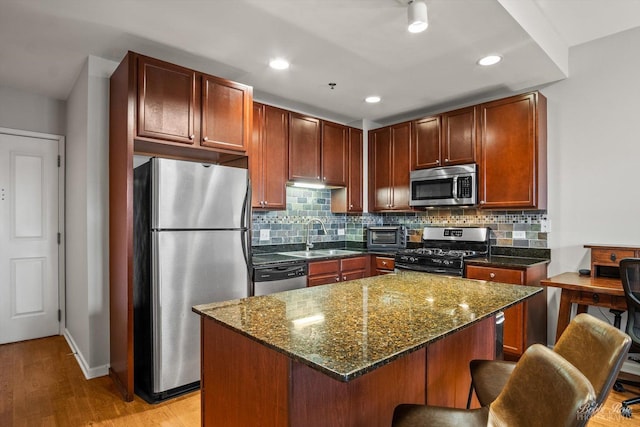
pixel 350 206
pixel 596 298
pixel 344 278
pixel 318 177
pixel 437 162
pixel 192 136
pixel 266 203
pixel 482 202
pixel 324 178
pixel 492 275
pixel 384 263
pixel 446 160
pixel 205 139
pixel 612 256
pixel 338 279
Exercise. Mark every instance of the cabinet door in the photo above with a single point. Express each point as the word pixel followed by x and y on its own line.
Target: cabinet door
pixel 380 169
pixel 323 272
pixel 354 184
pixel 166 101
pixel 459 136
pixel 335 143
pixel 514 329
pixel 275 157
pixel 304 147
pixel 400 139
pixel 256 157
pixel 425 143
pixel 510 156
pixel 226 114
pixel 268 157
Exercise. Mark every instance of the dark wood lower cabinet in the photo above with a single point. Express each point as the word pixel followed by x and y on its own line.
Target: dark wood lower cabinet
pixel 337 270
pixel 246 383
pixel 525 323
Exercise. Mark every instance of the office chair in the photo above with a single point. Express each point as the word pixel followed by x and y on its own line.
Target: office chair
pixel 630 276
pixel 595 347
pixel 543 390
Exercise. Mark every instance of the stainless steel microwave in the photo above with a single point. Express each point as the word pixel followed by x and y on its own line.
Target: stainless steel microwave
pixel 444 186
pixel 387 237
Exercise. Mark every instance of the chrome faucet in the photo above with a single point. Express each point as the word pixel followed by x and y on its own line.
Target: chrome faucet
pixel 309 244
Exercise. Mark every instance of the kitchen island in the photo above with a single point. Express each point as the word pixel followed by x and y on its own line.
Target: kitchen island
pixel 347 354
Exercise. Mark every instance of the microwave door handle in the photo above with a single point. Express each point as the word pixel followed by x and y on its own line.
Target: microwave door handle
pixel 455 187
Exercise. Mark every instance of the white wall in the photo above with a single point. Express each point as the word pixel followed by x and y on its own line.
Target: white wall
pixel 594 155
pixel 25 111
pixel 87 204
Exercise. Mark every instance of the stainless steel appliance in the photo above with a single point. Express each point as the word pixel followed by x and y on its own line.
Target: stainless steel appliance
pixel 269 279
pixel 191 246
pixel 444 186
pixel 387 237
pixel 444 250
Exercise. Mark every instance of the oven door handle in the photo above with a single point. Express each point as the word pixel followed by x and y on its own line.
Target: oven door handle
pixel 454 189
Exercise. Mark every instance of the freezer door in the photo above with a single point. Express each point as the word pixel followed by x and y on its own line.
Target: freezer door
pixel 191 195
pixel 190 268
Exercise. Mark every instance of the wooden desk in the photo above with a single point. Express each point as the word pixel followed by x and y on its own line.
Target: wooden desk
pixel 585 291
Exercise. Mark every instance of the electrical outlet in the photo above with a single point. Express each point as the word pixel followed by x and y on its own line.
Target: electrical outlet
pixel 519 235
pixel 340 231
pixel 264 234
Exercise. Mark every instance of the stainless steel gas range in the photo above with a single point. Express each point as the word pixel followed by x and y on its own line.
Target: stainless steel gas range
pixel 444 250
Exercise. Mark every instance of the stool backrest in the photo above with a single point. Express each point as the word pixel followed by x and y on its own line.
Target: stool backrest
pixel 597 349
pixel 543 390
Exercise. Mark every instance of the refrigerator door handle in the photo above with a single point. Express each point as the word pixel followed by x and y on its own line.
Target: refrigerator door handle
pixel 245 236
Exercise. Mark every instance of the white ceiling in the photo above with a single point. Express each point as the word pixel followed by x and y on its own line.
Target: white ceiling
pixel 361 45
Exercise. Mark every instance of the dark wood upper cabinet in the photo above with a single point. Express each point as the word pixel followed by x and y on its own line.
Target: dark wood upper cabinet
pixel 513 153
pixel 335 141
pixel 425 144
pixel 354 185
pixel 444 140
pixel 167 102
pixel 179 105
pixel 459 136
pixel 349 199
pixel 226 114
pixel 389 150
pixel 268 157
pixel 304 147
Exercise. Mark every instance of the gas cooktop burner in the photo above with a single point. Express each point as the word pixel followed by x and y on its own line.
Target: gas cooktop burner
pixel 440 252
pixel 445 249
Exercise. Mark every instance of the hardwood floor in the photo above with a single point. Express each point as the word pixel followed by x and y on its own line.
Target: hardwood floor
pixel 41 384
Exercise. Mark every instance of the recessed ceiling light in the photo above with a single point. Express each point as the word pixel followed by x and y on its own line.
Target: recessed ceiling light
pixel 490 60
pixel 279 64
pixel 372 99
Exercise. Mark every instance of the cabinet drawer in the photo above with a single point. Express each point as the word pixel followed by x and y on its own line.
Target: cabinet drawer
pixel 594 298
pixel 385 263
pixel 610 256
pixel 356 263
pixel 324 267
pixel 503 275
pixel 323 279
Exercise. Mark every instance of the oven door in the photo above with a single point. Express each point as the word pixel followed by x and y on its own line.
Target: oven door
pixel 446 186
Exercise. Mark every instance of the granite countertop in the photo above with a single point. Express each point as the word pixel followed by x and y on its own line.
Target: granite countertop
pixel 348 329
pixel 505 261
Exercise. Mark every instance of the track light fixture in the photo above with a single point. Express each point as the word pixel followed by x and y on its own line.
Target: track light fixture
pixel 417 13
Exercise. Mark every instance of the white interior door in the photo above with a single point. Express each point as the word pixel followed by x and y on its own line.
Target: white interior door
pixel 29 299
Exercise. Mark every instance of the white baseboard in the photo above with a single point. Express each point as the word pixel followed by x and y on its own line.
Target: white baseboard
pixel 88 372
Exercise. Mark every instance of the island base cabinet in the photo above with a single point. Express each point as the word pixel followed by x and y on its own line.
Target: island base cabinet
pixel 245 383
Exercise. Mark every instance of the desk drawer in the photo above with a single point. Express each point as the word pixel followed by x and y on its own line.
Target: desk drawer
pixel 594 298
pixel 610 257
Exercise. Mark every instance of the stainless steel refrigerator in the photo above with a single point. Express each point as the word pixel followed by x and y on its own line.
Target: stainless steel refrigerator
pixel 191 246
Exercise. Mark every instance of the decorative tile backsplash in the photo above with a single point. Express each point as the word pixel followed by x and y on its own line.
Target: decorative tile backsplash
pixel 524 229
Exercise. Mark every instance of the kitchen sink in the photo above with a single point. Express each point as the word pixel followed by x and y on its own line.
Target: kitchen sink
pixel 320 253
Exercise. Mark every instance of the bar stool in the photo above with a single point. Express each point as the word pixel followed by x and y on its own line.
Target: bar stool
pixel 543 390
pixel 596 348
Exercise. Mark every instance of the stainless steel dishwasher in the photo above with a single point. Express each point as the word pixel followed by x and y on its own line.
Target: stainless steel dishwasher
pixel 280 277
